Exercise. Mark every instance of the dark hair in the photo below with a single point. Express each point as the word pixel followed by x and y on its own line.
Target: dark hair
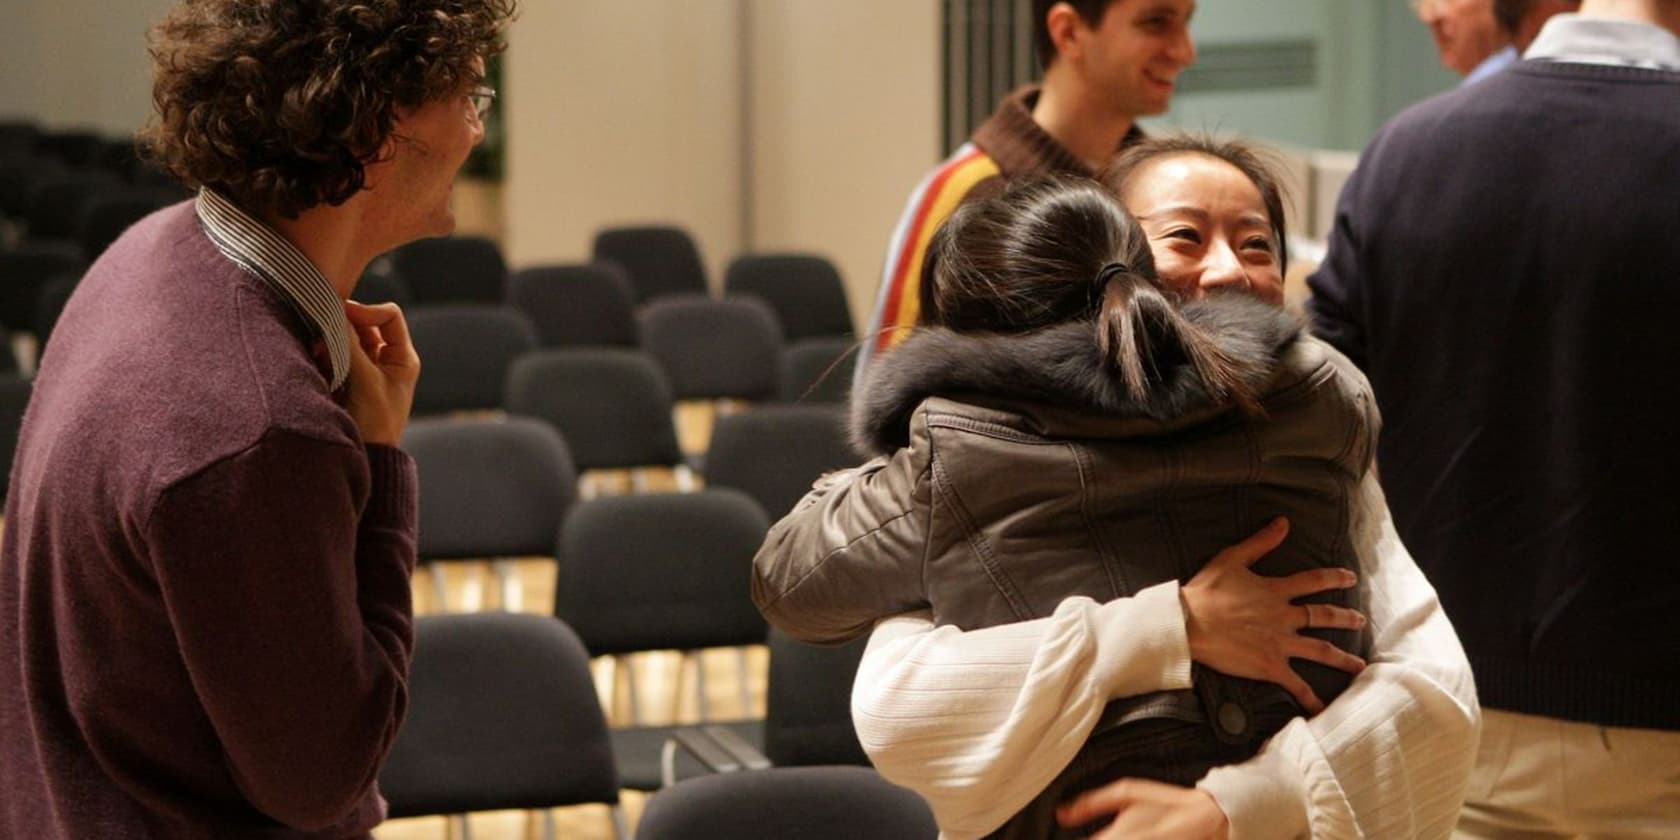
pixel 1509 14
pixel 1052 250
pixel 1253 163
pixel 281 104
pixel 1091 11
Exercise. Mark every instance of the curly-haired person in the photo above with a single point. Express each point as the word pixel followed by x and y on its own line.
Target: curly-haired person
pixel 205 623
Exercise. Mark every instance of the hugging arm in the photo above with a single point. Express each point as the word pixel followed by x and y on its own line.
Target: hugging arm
pixel 851 551
pixel 1389 757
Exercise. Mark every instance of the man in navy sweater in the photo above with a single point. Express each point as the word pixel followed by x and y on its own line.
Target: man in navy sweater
pixel 1505 266
pixel 205 624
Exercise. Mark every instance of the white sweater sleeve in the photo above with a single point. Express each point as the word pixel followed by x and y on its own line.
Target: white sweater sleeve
pixel 1391 756
pixel 979 722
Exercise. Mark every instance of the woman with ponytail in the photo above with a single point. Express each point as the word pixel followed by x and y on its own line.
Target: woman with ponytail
pixel 1056 454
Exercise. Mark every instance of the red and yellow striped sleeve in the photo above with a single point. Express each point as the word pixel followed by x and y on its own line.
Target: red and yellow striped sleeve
pixel 898 302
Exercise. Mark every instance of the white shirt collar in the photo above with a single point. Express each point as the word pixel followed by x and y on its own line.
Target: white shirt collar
pixel 1579 39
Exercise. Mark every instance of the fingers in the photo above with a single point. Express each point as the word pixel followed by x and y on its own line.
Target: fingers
pixel 1316 580
pixel 383 332
pixel 1250 550
pixel 1330 617
pixel 1299 690
pixel 1324 653
pixel 1091 805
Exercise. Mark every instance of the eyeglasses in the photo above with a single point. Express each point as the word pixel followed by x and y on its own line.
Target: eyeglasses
pixel 482 98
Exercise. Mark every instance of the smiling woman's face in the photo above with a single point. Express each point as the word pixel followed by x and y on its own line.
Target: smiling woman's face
pixel 1207 225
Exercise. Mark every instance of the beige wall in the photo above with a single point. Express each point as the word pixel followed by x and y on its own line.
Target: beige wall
pixel 621 113
pixel 78 64
pixel 630 113
pixel 845 121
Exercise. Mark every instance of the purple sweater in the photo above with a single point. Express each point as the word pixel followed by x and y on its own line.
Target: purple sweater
pixel 205 624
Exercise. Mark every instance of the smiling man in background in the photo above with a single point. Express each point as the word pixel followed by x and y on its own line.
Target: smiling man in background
pixel 1106 63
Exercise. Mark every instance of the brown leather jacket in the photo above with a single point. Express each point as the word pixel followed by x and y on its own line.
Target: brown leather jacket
pixel 1012 472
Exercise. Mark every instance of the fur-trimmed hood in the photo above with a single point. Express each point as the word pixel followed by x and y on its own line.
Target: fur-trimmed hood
pixel 1061 366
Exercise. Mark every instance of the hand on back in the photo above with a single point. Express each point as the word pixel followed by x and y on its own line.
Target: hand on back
pixel 1244 624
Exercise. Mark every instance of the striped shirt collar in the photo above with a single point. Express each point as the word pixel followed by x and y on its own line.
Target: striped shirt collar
pixel 258 249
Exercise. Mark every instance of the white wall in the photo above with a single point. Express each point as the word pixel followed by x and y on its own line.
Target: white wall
pixel 845 121
pixel 78 64
pixel 622 113
pixel 634 113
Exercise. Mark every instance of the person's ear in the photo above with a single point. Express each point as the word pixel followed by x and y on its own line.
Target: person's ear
pixel 1064 24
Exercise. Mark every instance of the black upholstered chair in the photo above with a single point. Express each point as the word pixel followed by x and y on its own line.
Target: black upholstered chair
pixel 773 453
pixel 56 202
pixel 664 571
pixel 714 349
pixel 804 290
pixel 658 260
pixel 24 272
pixel 502 714
pixel 466 350
pixel 456 269
pixel 612 406
pixel 585 304
pixel 106 216
pixel 49 304
pixel 818 370
pixel 493 489
pixel 382 287
pixel 14 398
pixel 788 803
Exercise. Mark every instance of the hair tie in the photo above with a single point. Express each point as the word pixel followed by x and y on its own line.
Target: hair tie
pixel 1108 271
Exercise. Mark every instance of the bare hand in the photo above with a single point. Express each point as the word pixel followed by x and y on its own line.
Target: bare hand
pixel 383 370
pixel 1243 624
pixel 1148 810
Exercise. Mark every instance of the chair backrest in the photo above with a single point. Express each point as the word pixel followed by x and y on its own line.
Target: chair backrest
pixel 24 272
pixel 788 803
pixel 493 488
pixel 804 290
pixel 105 217
pixel 612 406
pixel 818 370
pixel 14 398
pixel 585 304
pixel 466 350
pixel 382 287
pixel 714 348
pixel 50 304
pixel 659 260
pixel 661 571
pixel 56 202
pixel 774 452
pixel 502 714
pixel 456 269
pixel 809 715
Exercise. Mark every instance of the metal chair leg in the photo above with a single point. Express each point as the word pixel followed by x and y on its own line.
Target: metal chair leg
pixel 513 589
pixel 440 587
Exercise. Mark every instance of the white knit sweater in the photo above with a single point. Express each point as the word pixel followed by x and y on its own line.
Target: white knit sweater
pixel 979 722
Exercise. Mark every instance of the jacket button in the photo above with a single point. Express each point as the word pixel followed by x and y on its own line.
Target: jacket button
pixel 1232 719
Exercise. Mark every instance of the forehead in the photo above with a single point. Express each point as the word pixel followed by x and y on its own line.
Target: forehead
pixel 1191 179
pixel 1119 8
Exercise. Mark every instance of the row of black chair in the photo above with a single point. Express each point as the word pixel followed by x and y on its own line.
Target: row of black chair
pixel 481 357
pixel 596 302
pixel 503 714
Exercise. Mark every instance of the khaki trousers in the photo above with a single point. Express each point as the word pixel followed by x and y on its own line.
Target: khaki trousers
pixel 1539 778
